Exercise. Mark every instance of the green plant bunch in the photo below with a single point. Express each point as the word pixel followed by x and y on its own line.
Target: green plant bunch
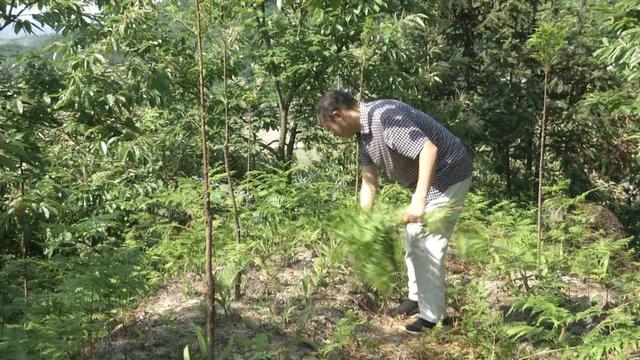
pixel 372 240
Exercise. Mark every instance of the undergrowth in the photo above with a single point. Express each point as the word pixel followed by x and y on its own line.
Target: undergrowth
pixel 545 312
pixel 506 303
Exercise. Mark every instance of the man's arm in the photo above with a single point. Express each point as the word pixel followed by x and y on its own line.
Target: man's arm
pixel 369 187
pixel 426 170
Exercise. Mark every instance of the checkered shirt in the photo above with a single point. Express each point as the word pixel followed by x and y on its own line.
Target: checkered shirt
pixel 392 135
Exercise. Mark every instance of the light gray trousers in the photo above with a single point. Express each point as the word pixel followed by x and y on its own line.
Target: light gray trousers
pixel 426 252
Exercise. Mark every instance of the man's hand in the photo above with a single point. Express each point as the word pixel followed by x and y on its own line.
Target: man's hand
pixel 415 210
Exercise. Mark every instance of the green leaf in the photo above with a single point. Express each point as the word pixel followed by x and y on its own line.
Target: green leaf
pixel 185 353
pixel 19 106
pixel 202 341
pixel 17 27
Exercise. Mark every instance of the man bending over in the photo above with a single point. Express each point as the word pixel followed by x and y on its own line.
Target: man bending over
pixel 422 155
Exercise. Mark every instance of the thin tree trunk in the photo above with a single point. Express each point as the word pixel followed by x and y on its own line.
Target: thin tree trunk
pixel 227 166
pixel 531 168
pixel 357 156
pixel 283 101
pixel 360 90
pixel 530 165
pixel 292 141
pixel 250 140
pixel 24 238
pixel 507 168
pixel 507 155
pixel 541 167
pixel 211 314
pixel 282 138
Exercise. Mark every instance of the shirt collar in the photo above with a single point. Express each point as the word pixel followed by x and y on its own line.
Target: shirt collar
pixel 365 125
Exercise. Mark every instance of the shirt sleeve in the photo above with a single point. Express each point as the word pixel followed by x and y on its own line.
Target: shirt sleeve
pixel 365 159
pixel 401 133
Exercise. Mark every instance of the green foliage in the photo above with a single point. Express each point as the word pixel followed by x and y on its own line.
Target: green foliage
pixel 202 346
pixel 496 237
pixel 289 206
pixel 480 325
pixel 372 241
pixel 624 49
pixel 344 333
pixel 100 168
pixel 547 42
pixel 75 299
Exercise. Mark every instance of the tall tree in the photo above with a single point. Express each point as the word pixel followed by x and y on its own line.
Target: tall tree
pixel 546 43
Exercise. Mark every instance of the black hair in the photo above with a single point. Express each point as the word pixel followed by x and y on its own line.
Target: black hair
pixel 334 100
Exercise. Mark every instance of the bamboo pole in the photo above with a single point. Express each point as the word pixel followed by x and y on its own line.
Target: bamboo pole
pixel 211 314
pixel 359 99
pixel 227 166
pixel 541 168
pixel 24 239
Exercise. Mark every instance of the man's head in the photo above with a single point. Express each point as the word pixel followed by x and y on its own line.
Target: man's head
pixel 338 112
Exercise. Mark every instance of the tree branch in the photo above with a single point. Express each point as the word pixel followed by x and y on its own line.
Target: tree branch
pixel 293 90
pixel 263 145
pixel 11 18
pixel 11 7
pixel 267 42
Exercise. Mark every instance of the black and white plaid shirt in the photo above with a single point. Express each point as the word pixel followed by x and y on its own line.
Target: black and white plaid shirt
pixel 392 135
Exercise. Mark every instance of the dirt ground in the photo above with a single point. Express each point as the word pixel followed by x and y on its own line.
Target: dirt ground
pixel 274 320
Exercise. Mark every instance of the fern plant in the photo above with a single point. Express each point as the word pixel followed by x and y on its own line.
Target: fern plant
pixel 502 238
pixel 372 241
pixel 344 333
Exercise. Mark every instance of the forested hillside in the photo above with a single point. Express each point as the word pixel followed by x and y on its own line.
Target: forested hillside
pixel 111 130
pixel 11 48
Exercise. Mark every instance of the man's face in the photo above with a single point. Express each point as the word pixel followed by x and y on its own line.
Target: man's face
pixel 338 124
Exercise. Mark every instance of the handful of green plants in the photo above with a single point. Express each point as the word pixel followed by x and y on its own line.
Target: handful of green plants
pixel 373 240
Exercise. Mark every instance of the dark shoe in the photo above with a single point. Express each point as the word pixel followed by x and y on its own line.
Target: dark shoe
pixel 419 326
pixel 407 308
